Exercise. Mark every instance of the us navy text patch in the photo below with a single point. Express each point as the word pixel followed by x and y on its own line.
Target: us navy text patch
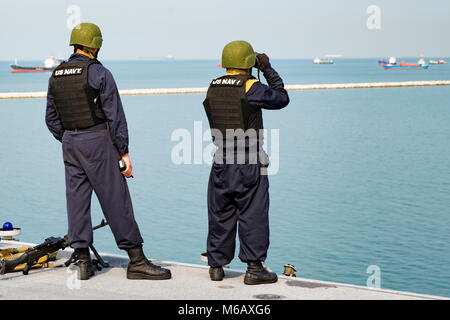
pixel 227 82
pixel 68 72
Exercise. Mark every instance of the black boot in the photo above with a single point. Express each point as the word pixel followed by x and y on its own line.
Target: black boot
pixel 216 273
pixel 257 274
pixel 141 268
pixel 84 263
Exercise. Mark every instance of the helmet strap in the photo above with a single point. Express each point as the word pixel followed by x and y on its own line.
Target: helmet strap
pixel 88 52
pixel 96 53
pixel 91 54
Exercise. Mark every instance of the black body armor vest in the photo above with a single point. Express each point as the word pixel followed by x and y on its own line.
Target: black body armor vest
pixel 227 107
pixel 77 103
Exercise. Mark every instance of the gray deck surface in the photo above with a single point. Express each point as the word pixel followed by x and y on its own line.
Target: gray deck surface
pixel 189 282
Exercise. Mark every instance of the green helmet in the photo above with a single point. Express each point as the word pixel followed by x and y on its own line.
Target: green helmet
pixel 239 55
pixel 86 34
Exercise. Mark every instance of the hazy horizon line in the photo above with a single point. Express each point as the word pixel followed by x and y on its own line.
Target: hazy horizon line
pixel 158 59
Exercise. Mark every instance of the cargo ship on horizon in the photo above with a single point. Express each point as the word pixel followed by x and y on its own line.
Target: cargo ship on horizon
pixel 49 65
pixel 321 61
pixel 441 61
pixel 404 65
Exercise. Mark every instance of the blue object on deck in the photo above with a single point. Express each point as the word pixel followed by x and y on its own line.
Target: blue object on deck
pixel 7 226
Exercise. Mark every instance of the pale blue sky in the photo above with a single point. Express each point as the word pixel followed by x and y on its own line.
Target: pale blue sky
pixel 198 29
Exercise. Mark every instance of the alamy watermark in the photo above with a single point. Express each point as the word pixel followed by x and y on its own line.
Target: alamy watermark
pixel 74 17
pixel 73 281
pixel 374 280
pixel 374 20
pixel 232 147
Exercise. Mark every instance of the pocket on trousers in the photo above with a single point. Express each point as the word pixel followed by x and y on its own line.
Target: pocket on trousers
pixel 65 151
pixel 217 174
pixel 249 174
pixel 93 148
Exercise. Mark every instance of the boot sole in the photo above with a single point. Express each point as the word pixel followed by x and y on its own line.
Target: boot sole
pixel 219 278
pixel 212 279
pixel 256 282
pixel 140 276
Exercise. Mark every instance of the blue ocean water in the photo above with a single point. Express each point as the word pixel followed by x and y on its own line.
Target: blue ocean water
pixel 364 176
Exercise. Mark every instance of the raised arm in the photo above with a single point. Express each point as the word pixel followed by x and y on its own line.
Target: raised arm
pixel 273 96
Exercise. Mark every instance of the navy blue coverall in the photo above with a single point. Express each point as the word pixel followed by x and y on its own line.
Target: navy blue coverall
pixel 239 193
pixel 91 159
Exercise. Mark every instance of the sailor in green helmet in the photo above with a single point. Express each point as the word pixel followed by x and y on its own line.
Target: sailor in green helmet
pixel 238 191
pixel 85 113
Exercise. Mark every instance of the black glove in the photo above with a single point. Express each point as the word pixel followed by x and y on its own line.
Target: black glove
pixel 262 62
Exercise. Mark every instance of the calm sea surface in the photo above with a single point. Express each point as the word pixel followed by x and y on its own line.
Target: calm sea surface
pixel 364 174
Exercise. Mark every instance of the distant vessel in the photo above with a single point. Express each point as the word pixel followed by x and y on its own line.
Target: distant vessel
pixel 49 65
pixel 319 61
pixel 437 62
pixel 169 57
pixel 404 65
pixel 391 61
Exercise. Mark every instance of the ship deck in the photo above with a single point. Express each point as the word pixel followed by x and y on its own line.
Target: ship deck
pixel 189 282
